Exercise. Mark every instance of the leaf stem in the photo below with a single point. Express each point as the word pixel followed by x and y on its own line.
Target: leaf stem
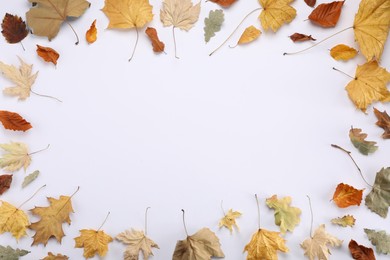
pixel 71 196
pixel 258 210
pixel 174 41
pixel 311 216
pixel 21 43
pixel 35 193
pixel 45 96
pixel 238 26
pixel 146 220
pixel 343 73
pixel 104 221
pixel 77 37
pixel 223 211
pixel 47 147
pixel 184 222
pixel 135 45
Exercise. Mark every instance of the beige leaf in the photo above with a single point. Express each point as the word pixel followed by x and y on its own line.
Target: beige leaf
pixel 179 13
pixel 17 156
pixel 229 220
pixel 136 241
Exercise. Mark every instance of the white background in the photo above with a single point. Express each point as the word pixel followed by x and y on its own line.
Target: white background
pixel 187 133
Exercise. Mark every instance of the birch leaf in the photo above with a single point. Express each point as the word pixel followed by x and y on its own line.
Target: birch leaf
pixel 30 178
pixel 14 121
pixel 380 239
pixel 14 28
pixel 343 52
pixel 16 157
pixel 8 253
pixel 327 14
pixel 249 35
pixel 346 195
pixel 137 242
pixel 360 252
pixel 378 200
pixel 286 217
pixel 213 24
pixel 5 182
pixel 224 3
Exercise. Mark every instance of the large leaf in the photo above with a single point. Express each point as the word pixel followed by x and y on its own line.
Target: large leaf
pixel 378 200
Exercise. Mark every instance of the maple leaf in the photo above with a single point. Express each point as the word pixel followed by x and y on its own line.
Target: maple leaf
pixel 13 220
pixel 378 200
pixel 383 122
pixel 51 256
pixel 317 245
pixel 249 35
pixel 371 27
pixel 8 253
pixel 46 16
pixel 30 178
pixel 14 28
pixel 213 24
pixel 137 241
pixel 13 121
pixel 360 252
pixel 52 217
pixel 275 13
pixel 358 140
pixel 224 3
pixel 48 54
pixel 158 46
pixel 17 156
pixel 204 244
pixel 5 182
pixel 94 242
pixel 264 245
pixel 91 34
pixel 22 77
pixel 286 217
pixel 346 195
pixel 345 221
pixel 369 85
pixel 229 220
pixel 327 15
pixel 299 37
pixel 379 239
pixel 343 52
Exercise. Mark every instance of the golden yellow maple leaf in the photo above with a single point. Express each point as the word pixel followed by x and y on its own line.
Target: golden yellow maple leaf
pixel 275 13
pixel 52 217
pixel 371 27
pixel 343 52
pixel 249 35
pixel 264 244
pixel 137 241
pixel 13 220
pixel 369 85
pixel 94 242
pixel 229 220
pixel 17 156
pixel 286 217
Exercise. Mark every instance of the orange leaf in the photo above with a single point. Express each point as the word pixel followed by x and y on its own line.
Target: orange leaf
pixel 360 252
pixel 224 3
pixel 14 28
pixel 310 3
pixel 346 196
pixel 13 121
pixel 48 54
pixel 158 46
pixel 91 34
pixel 383 122
pixel 327 15
pixel 299 37
pixel 5 182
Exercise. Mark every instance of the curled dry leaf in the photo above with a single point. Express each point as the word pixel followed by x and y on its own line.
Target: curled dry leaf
pixel 327 15
pixel 5 182
pixel 91 34
pixel 213 24
pixel 383 122
pixel 8 253
pixel 360 252
pixel 48 54
pixel 310 3
pixel 346 195
pixel 264 244
pixel 343 52
pixel 51 256
pixel 249 35
pixel 158 46
pixel 93 241
pixel 137 242
pixel 299 37
pixel 13 121
pixel 30 178
pixel 345 221
pixel 14 28
pixel 13 220
pixel 358 140
pixel 275 13
pixel 17 156
pixel 229 220
pixel 380 239
pixel 224 3
pixel 378 200
pixel 286 217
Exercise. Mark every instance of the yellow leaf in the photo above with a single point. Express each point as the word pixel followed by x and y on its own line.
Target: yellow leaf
pixel 369 85
pixel 345 221
pixel 17 156
pixel 91 34
pixel 275 13
pixel 286 217
pixel 371 27
pixel 51 256
pixel 229 220
pixel 264 245
pixel 13 220
pixel 94 242
pixel 136 241
pixel 343 52
pixel 179 13
pixel 249 35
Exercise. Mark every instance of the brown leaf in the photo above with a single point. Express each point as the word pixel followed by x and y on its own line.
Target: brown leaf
pixel 310 3
pixel 346 196
pixel 51 256
pixel 14 28
pixel 299 37
pixel 224 3
pixel 360 252
pixel 158 46
pixel 48 54
pixel 5 182
pixel 383 121
pixel 327 15
pixel 13 121
pixel 91 34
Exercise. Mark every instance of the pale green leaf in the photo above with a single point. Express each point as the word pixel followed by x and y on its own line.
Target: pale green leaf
pixel 213 24
pixel 379 239
pixel 286 217
pixel 358 140
pixel 8 253
pixel 378 200
pixel 30 178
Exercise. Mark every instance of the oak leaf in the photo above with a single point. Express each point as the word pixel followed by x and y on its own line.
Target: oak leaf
pixel 213 24
pixel 30 178
pixel 5 182
pixel 358 140
pixel 14 28
pixel 378 200
pixel 310 3
pixel 22 77
pixel 13 220
pixel 346 195
pixel 345 221
pixel 52 217
pixel 17 156
pixel 264 244
pixel 46 16
pixel 224 3
pixel 229 220
pixel 383 122
pixel 91 34
pixel 158 46
pixel 13 121
pixel 204 244
pixel 360 252
pixel 94 242
pixel 249 35
pixel 327 15
pixel 51 256
pixel 380 239
pixel 369 85
pixel 8 253
pixel 48 54
pixel 275 13
pixel 317 245
pixel 286 217
pixel 371 27
pixel 343 52
pixel 137 241
pixel 299 37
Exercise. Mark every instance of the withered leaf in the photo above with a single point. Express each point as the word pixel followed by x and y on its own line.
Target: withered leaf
pixel 383 121
pixel 136 242
pixel 249 35
pixel 378 200
pixel 229 220
pixel 213 24
pixel 91 34
pixel 380 239
pixel 310 3
pixel 360 252
pixel 345 221
pixel 275 13
pixel 5 182
pixel 8 253
pixel 346 195
pixel 48 54
pixel 358 140
pixel 13 121
pixel 264 244
pixel 299 37
pixel 286 217
pixel 13 220
pixel 51 256
pixel 158 46
pixel 14 28
pixel 94 242
pixel 343 52
pixel 16 156
pixel 327 15
pixel 224 3
pixel 30 178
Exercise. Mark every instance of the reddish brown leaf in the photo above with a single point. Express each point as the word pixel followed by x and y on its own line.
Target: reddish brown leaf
pixel 158 46
pixel 346 196
pixel 48 54
pixel 5 182
pixel 383 121
pixel 327 15
pixel 224 3
pixel 310 3
pixel 13 121
pixel 299 37
pixel 14 28
pixel 360 252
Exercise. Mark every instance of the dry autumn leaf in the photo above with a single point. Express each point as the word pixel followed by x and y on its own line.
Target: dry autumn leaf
pixel 317 245
pixel 158 46
pixel 358 140
pixel 310 3
pixel 13 220
pixel 286 217
pixel 343 52
pixel 17 156
pixel 378 200
pixel 371 27
pixel 91 34
pixel 360 252
pixel 13 121
pixel 299 37
pixel 368 85
pixel 51 256
pixel 224 3
pixel 48 54
pixel 30 178
pixel 229 220
pixel 380 239
pixel 5 182
pixel 213 24
pixel 94 242
pixel 46 16
pixel 346 195
pixel 275 13
pixel 327 15
pixel 249 35
pixel 8 253
pixel 137 242
pixel 345 221
pixel 383 122
pixel 14 28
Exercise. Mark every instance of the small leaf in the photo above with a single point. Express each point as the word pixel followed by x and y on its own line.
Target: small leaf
pixel 94 242
pixel 91 34
pixel 299 37
pixel 17 156
pixel 327 15
pixel 51 256
pixel 213 24
pixel 310 3
pixel 286 217
pixel 30 178
pixel 158 46
pixel 379 239
pixel 264 244
pixel 345 221
pixel 343 52
pixel 378 200
pixel 360 252
pixel 358 140
pixel 13 121
pixel 346 195
pixel 14 28
pixel 229 220
pixel 5 182
pixel 48 54
pixel 249 35
pixel 383 122
pixel 224 3
pixel 8 253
